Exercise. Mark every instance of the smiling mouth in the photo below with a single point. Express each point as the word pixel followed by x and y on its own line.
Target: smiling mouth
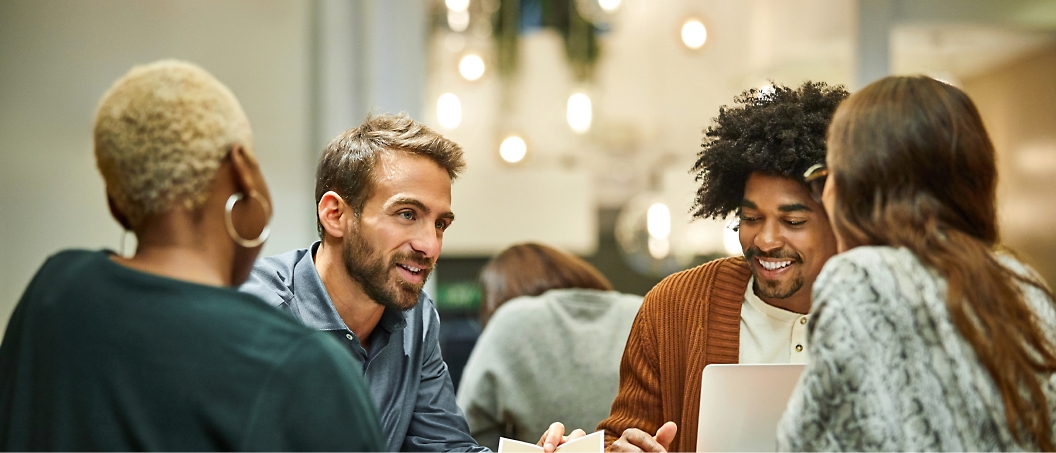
pixel 412 269
pixel 774 265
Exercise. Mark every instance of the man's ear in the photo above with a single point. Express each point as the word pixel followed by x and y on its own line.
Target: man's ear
pixel 334 214
pixel 117 214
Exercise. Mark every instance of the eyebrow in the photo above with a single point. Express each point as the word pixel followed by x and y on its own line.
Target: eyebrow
pixel 794 207
pixel 791 207
pixel 422 207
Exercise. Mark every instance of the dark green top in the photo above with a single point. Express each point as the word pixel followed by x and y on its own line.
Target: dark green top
pixel 98 356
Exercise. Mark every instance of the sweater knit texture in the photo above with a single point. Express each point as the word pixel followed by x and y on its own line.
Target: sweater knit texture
pixel 689 320
pixel 512 386
pixel 890 371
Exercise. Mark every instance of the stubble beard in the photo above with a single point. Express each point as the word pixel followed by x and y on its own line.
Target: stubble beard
pixel 374 274
pixel 776 289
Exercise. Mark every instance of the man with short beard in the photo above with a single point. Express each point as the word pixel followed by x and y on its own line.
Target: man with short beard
pixel 383 197
pixel 750 309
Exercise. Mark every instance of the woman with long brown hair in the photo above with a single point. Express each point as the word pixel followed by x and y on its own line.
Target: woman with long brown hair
pixel 551 346
pixel 926 334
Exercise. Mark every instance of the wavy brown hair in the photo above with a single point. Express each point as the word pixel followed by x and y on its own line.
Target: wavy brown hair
pixel 913 167
pixel 348 161
pixel 531 269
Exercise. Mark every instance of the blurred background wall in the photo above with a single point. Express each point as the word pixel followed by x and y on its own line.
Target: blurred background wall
pixel 1018 104
pixel 306 70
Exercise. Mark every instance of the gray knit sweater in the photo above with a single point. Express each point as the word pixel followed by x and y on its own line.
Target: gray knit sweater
pixel 889 370
pixel 553 357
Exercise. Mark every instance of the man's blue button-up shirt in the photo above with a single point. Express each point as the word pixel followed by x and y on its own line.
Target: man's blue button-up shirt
pixel 407 376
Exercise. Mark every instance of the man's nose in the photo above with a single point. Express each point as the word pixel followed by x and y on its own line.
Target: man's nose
pixel 769 237
pixel 428 241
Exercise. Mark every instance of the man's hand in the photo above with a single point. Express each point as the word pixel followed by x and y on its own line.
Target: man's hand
pixel 634 439
pixel 555 436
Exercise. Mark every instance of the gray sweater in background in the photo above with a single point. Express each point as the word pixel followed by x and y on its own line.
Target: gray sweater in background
pixel 553 357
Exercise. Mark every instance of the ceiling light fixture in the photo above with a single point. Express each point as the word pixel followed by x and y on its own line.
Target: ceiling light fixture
pixel 579 113
pixel 513 149
pixel 658 221
pixel 471 66
pixel 609 5
pixel 457 5
pixel 449 110
pixel 694 34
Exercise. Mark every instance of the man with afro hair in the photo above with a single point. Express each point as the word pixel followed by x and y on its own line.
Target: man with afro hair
pixel 750 309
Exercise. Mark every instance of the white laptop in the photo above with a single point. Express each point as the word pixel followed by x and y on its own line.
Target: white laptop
pixel 740 405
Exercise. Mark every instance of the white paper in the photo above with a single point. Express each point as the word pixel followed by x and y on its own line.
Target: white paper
pixel 591 443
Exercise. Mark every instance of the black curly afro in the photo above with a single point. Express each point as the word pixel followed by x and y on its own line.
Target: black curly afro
pixel 779 132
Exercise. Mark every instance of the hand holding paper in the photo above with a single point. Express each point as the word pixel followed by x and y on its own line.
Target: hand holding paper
pixel 590 443
pixel 555 435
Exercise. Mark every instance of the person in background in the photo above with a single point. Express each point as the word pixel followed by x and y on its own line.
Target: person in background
pixel 750 309
pixel 383 198
pixel 157 351
pixel 554 332
pixel 927 334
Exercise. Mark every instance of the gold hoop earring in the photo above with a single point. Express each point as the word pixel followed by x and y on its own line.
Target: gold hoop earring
pixel 229 223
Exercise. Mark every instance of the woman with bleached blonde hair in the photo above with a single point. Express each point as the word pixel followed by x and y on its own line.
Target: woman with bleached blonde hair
pixel 926 334
pixel 159 351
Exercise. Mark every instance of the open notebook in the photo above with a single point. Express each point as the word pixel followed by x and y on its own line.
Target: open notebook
pixel 740 405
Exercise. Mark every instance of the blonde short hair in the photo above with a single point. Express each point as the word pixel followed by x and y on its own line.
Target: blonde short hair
pixel 161 132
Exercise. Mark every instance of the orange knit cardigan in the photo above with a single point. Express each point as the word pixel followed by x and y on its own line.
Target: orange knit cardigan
pixel 689 320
